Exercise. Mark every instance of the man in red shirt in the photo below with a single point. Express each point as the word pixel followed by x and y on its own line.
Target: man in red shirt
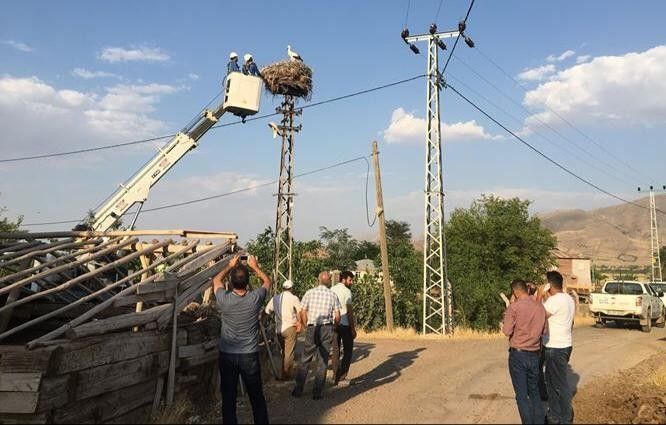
pixel 525 324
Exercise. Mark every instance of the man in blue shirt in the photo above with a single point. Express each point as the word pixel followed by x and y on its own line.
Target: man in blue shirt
pixel 249 67
pixel 232 66
pixel 239 341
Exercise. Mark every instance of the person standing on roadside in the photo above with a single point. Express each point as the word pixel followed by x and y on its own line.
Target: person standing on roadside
pixel 345 332
pixel 239 337
pixel 558 343
pixel 321 311
pixel 525 323
pixel 287 309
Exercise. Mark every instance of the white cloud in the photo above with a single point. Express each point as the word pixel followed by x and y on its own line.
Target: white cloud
pixel 560 58
pixel 140 54
pixel 87 74
pixel 537 74
pixel 583 59
pixel 18 46
pixel 623 90
pixel 192 76
pixel 406 128
pixel 71 119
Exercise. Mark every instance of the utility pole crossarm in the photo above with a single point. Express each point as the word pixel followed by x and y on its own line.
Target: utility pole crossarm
pixel 427 37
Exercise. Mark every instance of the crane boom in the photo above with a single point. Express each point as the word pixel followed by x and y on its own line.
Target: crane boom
pixel 242 95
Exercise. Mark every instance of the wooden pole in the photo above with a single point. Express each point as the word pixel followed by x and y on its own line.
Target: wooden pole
pixel 388 302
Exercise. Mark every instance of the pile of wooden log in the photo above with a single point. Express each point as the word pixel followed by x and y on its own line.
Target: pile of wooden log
pixel 103 327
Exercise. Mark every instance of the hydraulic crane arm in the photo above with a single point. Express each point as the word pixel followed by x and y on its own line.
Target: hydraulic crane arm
pixel 242 95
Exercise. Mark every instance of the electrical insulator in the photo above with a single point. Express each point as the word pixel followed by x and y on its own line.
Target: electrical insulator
pixel 469 41
pixel 414 49
pixel 433 28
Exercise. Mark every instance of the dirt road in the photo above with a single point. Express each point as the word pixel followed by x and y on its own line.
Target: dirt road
pixel 429 381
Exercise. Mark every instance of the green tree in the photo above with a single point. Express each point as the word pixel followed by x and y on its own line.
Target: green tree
pixel 7 225
pixel 340 248
pixel 490 244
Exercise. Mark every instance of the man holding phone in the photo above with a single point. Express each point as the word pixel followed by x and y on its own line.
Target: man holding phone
pixel 239 341
pixel 525 324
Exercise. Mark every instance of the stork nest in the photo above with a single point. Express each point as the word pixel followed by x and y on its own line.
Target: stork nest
pixel 288 77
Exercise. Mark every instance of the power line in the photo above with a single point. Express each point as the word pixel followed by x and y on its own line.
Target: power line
pixel 543 136
pixel 233 192
pixel 554 130
pixel 255 118
pixel 409 4
pixel 439 8
pixel 552 161
pixel 566 121
pixel 453 49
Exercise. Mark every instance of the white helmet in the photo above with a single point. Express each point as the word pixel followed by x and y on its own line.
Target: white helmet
pixel 247 57
pixel 233 55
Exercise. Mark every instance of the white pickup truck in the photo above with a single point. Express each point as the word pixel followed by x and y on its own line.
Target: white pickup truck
pixel 626 302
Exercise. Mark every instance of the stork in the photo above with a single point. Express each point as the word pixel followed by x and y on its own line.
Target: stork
pixel 275 128
pixel 293 55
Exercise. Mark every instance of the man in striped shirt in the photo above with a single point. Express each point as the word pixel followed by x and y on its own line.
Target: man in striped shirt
pixel 321 311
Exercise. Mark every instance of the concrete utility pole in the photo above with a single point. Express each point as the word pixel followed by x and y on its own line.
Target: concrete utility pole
pixel 285 197
pixel 388 301
pixel 437 294
pixel 655 257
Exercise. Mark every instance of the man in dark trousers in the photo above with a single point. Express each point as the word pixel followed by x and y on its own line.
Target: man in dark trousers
pixel 345 332
pixel 525 324
pixel 558 342
pixel 239 341
pixel 321 311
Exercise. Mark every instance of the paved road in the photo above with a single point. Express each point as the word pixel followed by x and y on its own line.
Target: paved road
pixel 430 381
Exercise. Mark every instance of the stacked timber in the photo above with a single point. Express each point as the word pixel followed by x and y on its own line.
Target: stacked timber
pixel 104 328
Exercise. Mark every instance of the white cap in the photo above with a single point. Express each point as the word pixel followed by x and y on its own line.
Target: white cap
pixel 288 284
pixel 247 57
pixel 233 55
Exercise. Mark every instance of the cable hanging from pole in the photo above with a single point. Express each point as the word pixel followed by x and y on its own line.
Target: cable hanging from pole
pixel 255 118
pixel 540 153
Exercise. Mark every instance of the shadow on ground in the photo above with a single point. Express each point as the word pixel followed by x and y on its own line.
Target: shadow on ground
pixel 283 408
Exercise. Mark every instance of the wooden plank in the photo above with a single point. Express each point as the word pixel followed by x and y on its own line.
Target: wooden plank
pixel 113 349
pixel 18 402
pixel 139 415
pixel 87 298
pixel 11 419
pixel 106 304
pixel 18 359
pixel 208 357
pixel 113 233
pixel 20 382
pixel 123 321
pixel 106 406
pixel 160 286
pixel 156 297
pixel 197 263
pixel 159 388
pixel 58 269
pixel 54 393
pixel 55 246
pixel 197 349
pixel 6 316
pixel 112 377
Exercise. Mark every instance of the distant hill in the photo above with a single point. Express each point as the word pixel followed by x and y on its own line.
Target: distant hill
pixel 617 235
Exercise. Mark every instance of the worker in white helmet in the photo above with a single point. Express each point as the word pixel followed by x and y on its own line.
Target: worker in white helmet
pixel 249 67
pixel 232 66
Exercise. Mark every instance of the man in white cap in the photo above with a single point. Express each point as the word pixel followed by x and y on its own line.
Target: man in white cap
pixel 287 309
pixel 249 67
pixel 232 66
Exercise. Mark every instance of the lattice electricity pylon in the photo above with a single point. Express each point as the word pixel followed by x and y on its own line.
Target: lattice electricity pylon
pixel 654 239
pixel 285 196
pixel 437 293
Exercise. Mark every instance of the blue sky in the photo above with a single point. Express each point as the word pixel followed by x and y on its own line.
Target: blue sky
pixel 73 76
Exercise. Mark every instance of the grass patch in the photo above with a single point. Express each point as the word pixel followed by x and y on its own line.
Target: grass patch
pixel 411 334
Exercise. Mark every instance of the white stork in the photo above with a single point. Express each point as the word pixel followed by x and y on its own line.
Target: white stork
pixel 275 129
pixel 293 55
